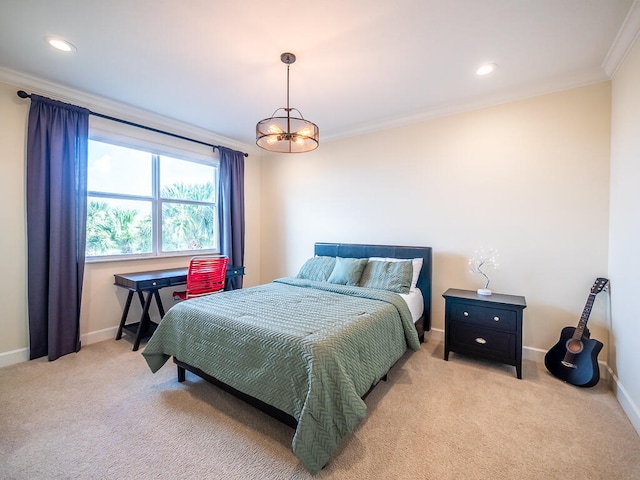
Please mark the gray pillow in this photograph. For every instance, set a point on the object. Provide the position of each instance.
(392, 276)
(347, 271)
(317, 269)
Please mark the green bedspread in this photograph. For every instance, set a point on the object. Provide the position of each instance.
(310, 349)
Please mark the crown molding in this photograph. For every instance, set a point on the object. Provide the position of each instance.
(116, 109)
(626, 37)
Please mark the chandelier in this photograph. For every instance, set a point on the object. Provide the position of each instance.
(287, 133)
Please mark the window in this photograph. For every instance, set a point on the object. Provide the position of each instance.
(144, 203)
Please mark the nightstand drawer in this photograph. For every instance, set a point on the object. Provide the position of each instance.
(485, 316)
(489, 342)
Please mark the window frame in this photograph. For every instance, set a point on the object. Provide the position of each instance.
(157, 145)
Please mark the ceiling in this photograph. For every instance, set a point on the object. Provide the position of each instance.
(362, 65)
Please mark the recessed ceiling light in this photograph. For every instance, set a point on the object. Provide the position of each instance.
(60, 44)
(486, 69)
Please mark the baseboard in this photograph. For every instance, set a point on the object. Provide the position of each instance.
(628, 405)
(99, 336)
(22, 354)
(13, 357)
(436, 335)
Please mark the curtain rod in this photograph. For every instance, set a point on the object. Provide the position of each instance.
(23, 94)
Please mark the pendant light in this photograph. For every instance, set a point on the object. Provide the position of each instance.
(286, 133)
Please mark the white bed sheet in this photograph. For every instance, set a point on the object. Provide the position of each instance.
(415, 302)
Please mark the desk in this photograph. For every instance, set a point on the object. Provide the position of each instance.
(150, 283)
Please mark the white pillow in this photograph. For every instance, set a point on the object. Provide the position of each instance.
(416, 263)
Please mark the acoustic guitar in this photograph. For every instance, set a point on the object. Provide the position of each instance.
(574, 359)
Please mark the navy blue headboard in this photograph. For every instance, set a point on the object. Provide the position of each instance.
(353, 250)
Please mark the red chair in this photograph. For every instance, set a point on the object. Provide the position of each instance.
(206, 275)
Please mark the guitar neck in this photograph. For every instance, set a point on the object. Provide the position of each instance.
(582, 324)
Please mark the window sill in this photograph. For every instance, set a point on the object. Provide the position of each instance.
(165, 256)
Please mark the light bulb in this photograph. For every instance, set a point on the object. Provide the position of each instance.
(59, 44)
(486, 69)
(273, 128)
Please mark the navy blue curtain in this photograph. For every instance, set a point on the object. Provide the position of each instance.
(231, 209)
(57, 146)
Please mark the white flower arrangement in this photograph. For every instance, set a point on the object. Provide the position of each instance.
(482, 260)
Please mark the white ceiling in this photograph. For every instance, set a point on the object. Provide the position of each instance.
(362, 64)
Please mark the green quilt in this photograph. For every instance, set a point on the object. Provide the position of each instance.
(310, 349)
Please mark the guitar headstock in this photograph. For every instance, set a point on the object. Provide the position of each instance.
(599, 285)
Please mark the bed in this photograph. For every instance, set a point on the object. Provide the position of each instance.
(305, 349)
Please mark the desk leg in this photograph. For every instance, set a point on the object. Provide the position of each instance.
(156, 294)
(147, 318)
(142, 302)
(125, 312)
(144, 320)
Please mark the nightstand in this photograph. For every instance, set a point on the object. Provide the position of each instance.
(488, 326)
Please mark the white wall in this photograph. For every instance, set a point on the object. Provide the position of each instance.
(624, 251)
(102, 302)
(13, 239)
(529, 178)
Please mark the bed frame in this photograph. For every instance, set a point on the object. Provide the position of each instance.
(348, 251)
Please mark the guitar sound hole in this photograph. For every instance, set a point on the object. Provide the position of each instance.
(574, 346)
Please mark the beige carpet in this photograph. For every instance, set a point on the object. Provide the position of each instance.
(102, 414)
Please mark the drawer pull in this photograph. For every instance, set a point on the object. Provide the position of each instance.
(466, 314)
(481, 340)
(497, 319)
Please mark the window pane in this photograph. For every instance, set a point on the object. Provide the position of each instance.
(115, 169)
(183, 180)
(116, 227)
(187, 227)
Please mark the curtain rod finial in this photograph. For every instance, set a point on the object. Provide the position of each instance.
(23, 94)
